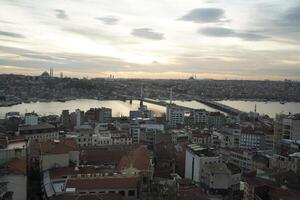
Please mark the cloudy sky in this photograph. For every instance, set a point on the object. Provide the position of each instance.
(220, 39)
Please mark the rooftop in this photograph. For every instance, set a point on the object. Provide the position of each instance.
(36, 127)
(109, 182)
(108, 196)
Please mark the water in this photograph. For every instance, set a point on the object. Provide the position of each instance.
(195, 105)
(121, 108)
(269, 108)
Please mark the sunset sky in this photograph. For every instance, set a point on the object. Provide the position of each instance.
(220, 39)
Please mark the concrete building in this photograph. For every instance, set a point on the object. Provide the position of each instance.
(65, 119)
(179, 135)
(14, 178)
(31, 119)
(196, 158)
(12, 149)
(135, 132)
(203, 138)
(221, 177)
(101, 136)
(242, 158)
(200, 117)
(39, 132)
(286, 127)
(46, 155)
(105, 115)
(175, 116)
(216, 120)
(79, 117)
(252, 139)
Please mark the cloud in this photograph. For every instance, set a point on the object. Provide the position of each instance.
(226, 32)
(205, 15)
(11, 34)
(291, 17)
(61, 14)
(147, 33)
(108, 20)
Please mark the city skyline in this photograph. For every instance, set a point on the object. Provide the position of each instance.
(230, 39)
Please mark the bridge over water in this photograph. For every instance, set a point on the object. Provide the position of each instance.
(212, 104)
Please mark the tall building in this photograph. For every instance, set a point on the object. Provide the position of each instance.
(31, 119)
(79, 117)
(135, 132)
(285, 127)
(105, 115)
(200, 117)
(175, 116)
(65, 118)
(196, 159)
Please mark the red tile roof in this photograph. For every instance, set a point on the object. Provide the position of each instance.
(191, 194)
(61, 147)
(284, 194)
(108, 196)
(138, 158)
(16, 166)
(103, 183)
(108, 154)
(56, 173)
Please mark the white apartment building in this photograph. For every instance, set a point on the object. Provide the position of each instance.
(175, 115)
(200, 116)
(31, 119)
(252, 140)
(196, 158)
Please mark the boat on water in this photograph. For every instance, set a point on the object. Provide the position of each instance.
(282, 102)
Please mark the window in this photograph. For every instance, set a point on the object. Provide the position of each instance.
(131, 193)
(122, 193)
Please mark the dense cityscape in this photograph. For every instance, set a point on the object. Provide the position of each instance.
(185, 154)
(149, 100)
(15, 89)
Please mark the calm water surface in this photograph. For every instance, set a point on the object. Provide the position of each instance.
(121, 108)
(269, 108)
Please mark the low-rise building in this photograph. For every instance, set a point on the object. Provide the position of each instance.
(221, 177)
(40, 132)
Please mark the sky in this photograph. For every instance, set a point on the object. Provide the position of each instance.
(215, 39)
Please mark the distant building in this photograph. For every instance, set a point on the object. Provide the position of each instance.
(79, 117)
(200, 117)
(175, 116)
(31, 119)
(39, 132)
(65, 119)
(252, 139)
(216, 120)
(105, 115)
(135, 132)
